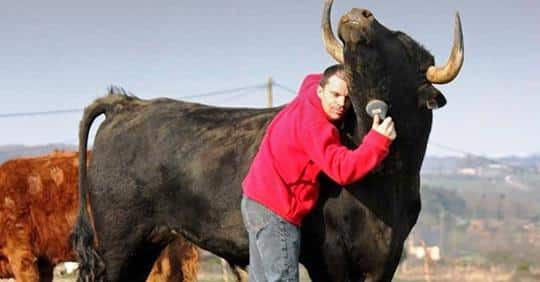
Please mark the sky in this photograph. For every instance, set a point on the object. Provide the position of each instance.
(60, 54)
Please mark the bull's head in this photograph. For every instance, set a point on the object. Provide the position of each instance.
(390, 66)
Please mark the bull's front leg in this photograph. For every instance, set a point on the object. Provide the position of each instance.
(387, 271)
(327, 263)
(316, 269)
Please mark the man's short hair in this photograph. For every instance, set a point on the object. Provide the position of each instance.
(337, 70)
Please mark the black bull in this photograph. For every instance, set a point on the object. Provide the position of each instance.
(164, 168)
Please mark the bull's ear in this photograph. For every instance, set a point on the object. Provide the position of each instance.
(430, 97)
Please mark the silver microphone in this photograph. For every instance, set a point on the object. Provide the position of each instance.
(377, 107)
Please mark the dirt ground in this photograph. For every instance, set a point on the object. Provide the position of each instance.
(212, 270)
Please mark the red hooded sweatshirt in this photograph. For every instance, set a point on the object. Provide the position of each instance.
(299, 143)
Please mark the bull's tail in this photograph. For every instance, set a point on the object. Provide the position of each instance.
(83, 238)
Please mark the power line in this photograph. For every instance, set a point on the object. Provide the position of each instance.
(279, 85)
(450, 149)
(469, 154)
(228, 98)
(221, 92)
(53, 112)
(66, 111)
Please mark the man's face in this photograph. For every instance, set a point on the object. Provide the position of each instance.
(334, 98)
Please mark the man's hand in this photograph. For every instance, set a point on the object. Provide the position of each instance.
(385, 128)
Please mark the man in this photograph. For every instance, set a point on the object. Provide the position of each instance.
(281, 185)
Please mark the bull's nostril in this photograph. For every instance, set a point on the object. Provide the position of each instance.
(367, 14)
(361, 13)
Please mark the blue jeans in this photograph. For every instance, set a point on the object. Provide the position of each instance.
(274, 244)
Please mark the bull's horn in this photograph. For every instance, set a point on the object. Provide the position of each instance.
(448, 72)
(332, 45)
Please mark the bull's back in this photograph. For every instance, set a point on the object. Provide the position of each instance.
(179, 138)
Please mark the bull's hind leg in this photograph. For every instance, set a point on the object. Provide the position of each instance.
(127, 253)
(124, 265)
(129, 262)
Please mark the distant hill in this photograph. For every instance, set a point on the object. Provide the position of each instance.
(532, 160)
(15, 151)
(452, 165)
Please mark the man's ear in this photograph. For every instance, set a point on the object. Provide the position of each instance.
(319, 92)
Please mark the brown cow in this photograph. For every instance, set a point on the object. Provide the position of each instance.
(38, 207)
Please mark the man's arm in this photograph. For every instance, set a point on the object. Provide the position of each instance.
(342, 164)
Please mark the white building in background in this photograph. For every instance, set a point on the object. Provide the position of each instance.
(469, 171)
(420, 251)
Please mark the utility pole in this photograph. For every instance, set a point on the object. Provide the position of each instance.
(441, 229)
(269, 92)
(500, 207)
